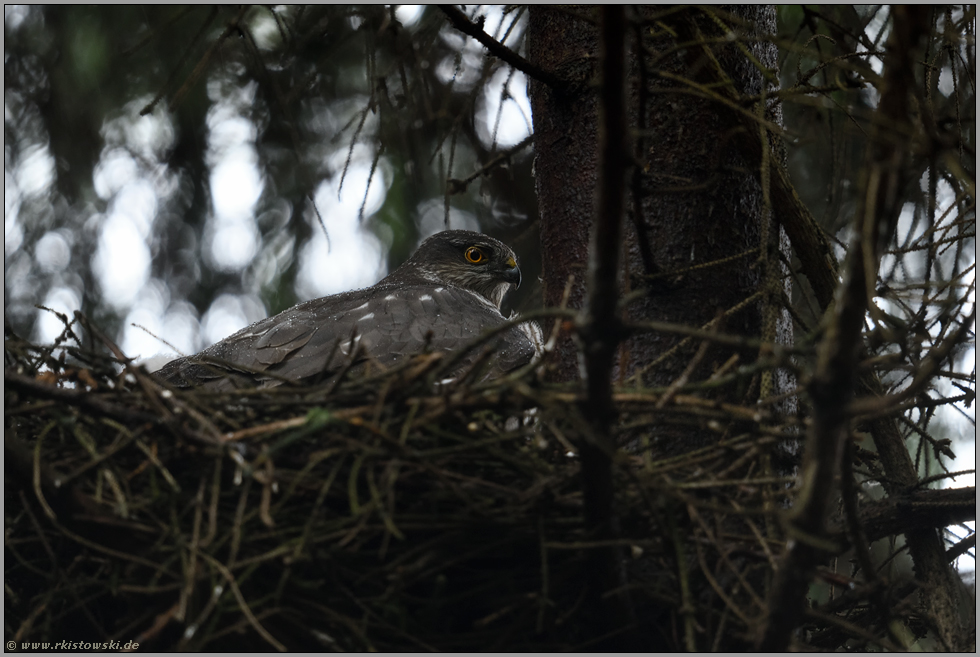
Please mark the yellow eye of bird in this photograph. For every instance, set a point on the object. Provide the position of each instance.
(474, 255)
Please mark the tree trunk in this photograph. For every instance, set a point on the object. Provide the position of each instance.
(695, 198)
(699, 246)
(565, 142)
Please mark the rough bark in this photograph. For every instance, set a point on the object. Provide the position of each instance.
(693, 198)
(699, 198)
(565, 158)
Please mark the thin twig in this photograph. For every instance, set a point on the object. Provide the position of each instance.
(499, 50)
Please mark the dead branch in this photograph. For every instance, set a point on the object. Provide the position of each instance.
(833, 386)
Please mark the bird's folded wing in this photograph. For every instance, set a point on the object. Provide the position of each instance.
(318, 337)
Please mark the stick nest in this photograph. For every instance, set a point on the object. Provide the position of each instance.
(382, 512)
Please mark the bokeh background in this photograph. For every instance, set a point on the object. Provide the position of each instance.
(307, 158)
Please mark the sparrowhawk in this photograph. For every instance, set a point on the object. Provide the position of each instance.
(443, 297)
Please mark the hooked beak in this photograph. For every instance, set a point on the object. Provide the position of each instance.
(512, 273)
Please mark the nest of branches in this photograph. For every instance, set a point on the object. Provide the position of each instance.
(382, 512)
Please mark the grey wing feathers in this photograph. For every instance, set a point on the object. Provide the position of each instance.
(388, 323)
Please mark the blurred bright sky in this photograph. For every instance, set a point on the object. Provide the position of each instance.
(347, 257)
(351, 258)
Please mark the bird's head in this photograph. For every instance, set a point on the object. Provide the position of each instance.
(462, 258)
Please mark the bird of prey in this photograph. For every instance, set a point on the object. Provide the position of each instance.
(443, 297)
